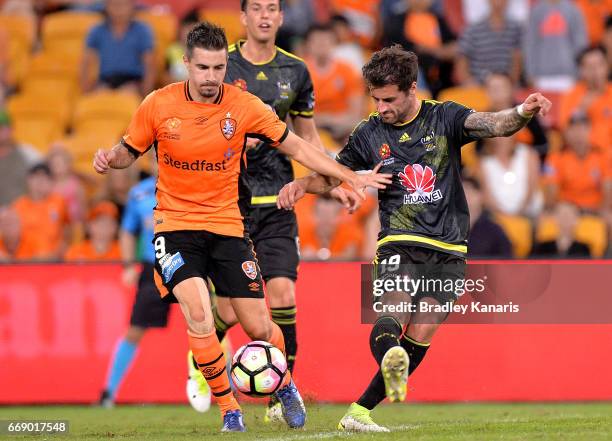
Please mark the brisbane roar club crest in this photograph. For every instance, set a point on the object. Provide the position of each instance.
(228, 126)
(250, 269)
(420, 185)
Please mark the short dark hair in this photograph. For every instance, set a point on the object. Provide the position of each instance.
(318, 27)
(243, 4)
(41, 167)
(584, 52)
(391, 65)
(207, 36)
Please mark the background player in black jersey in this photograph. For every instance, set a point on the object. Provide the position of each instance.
(423, 213)
(281, 80)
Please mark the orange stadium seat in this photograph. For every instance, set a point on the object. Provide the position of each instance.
(66, 31)
(518, 229)
(104, 112)
(20, 32)
(590, 230)
(226, 18)
(474, 97)
(52, 74)
(37, 122)
(83, 147)
(165, 28)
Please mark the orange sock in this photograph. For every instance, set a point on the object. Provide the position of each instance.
(278, 340)
(209, 355)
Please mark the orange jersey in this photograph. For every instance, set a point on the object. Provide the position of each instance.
(200, 152)
(42, 225)
(86, 252)
(599, 112)
(580, 180)
(336, 86)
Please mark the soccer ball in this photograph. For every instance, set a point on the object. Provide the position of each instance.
(258, 369)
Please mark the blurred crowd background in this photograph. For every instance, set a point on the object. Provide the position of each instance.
(72, 73)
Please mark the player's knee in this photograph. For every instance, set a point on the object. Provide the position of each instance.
(261, 331)
(280, 292)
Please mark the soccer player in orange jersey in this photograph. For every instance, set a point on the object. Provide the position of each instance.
(199, 129)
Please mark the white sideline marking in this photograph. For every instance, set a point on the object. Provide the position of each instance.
(326, 435)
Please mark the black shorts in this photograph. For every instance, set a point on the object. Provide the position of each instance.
(148, 310)
(445, 271)
(227, 260)
(275, 235)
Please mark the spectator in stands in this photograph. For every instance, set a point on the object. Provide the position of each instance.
(117, 186)
(298, 16)
(4, 58)
(66, 182)
(102, 243)
(347, 48)
(491, 45)
(176, 70)
(427, 34)
(486, 239)
(339, 88)
(554, 36)
(607, 44)
(565, 245)
(43, 217)
(478, 10)
(595, 13)
(509, 174)
(18, 7)
(327, 237)
(15, 161)
(500, 92)
(593, 96)
(578, 175)
(362, 15)
(12, 248)
(123, 48)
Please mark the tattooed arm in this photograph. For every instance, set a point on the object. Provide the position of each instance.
(506, 122)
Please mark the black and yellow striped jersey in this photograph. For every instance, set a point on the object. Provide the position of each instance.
(425, 205)
(284, 84)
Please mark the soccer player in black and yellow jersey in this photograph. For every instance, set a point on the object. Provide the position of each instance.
(423, 213)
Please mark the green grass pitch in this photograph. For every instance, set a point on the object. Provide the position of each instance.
(486, 422)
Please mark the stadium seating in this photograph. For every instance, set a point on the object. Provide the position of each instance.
(20, 31)
(165, 29)
(83, 146)
(52, 74)
(105, 112)
(474, 97)
(38, 120)
(66, 31)
(228, 19)
(590, 230)
(519, 231)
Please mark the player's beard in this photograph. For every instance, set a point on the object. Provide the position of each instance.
(208, 90)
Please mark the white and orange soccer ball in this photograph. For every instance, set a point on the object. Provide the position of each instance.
(258, 369)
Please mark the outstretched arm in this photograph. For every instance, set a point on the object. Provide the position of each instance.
(318, 184)
(506, 122)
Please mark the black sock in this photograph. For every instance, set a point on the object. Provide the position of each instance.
(285, 318)
(416, 352)
(374, 393)
(385, 334)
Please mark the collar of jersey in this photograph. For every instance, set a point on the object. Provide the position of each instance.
(239, 44)
(189, 98)
(411, 119)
